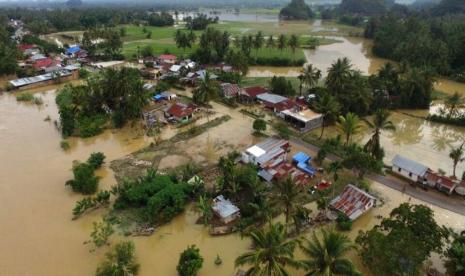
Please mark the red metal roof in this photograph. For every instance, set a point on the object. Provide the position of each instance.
(167, 57)
(253, 91)
(353, 202)
(43, 63)
(446, 182)
(230, 89)
(284, 105)
(24, 47)
(180, 110)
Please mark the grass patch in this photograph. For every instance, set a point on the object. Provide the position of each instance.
(264, 81)
(65, 145)
(28, 97)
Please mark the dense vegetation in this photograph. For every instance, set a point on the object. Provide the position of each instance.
(85, 181)
(200, 22)
(296, 10)
(161, 19)
(436, 44)
(8, 52)
(109, 45)
(112, 94)
(121, 261)
(365, 7)
(157, 198)
(190, 262)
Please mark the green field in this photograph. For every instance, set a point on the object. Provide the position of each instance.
(162, 39)
(264, 81)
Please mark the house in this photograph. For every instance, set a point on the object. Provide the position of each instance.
(72, 50)
(302, 119)
(460, 189)
(270, 149)
(37, 57)
(447, 185)
(175, 68)
(42, 64)
(225, 210)
(431, 179)
(181, 112)
(302, 162)
(167, 58)
(249, 94)
(277, 170)
(275, 102)
(408, 168)
(230, 90)
(164, 96)
(45, 79)
(353, 202)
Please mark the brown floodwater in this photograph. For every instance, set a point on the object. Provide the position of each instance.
(38, 235)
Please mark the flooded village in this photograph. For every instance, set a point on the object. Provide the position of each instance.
(233, 140)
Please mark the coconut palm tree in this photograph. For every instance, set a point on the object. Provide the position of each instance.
(349, 125)
(271, 252)
(206, 90)
(326, 256)
(293, 43)
(285, 196)
(328, 107)
(456, 154)
(282, 42)
(379, 122)
(270, 42)
(453, 103)
(338, 73)
(258, 41)
(334, 168)
(311, 76)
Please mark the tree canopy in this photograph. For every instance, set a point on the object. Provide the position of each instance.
(296, 10)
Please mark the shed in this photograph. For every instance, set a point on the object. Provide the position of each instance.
(353, 202)
(225, 210)
(408, 168)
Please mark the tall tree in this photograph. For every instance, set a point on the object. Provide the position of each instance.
(311, 76)
(282, 42)
(453, 104)
(293, 43)
(204, 208)
(349, 125)
(328, 107)
(286, 195)
(258, 41)
(270, 42)
(206, 90)
(455, 254)
(326, 256)
(456, 154)
(401, 243)
(379, 122)
(338, 74)
(271, 252)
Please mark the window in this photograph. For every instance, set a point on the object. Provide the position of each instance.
(399, 169)
(410, 175)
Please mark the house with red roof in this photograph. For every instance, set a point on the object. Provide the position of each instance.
(42, 64)
(276, 103)
(249, 94)
(230, 90)
(181, 112)
(446, 184)
(167, 58)
(353, 202)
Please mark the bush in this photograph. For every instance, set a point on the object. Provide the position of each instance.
(283, 130)
(259, 125)
(96, 159)
(25, 97)
(64, 145)
(90, 126)
(84, 181)
(190, 261)
(344, 223)
(83, 73)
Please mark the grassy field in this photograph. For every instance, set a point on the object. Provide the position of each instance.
(256, 81)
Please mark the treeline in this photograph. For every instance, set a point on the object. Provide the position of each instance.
(200, 21)
(85, 109)
(8, 52)
(161, 19)
(104, 42)
(296, 10)
(436, 44)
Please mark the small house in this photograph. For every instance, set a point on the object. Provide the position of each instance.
(278, 170)
(447, 185)
(230, 90)
(409, 169)
(353, 202)
(270, 149)
(225, 210)
(302, 119)
(167, 58)
(274, 102)
(249, 94)
(181, 112)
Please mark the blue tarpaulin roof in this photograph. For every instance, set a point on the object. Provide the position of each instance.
(158, 97)
(301, 157)
(73, 50)
(306, 168)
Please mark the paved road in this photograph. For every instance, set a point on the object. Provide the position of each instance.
(452, 203)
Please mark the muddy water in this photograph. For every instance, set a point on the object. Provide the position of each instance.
(426, 142)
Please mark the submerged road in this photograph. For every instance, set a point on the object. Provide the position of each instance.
(454, 204)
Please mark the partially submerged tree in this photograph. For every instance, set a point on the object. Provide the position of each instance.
(379, 122)
(120, 261)
(456, 154)
(190, 262)
(259, 125)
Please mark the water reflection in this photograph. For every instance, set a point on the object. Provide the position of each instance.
(409, 131)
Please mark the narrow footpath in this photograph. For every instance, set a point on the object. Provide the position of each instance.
(452, 203)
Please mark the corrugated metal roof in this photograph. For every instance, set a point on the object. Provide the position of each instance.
(409, 165)
(39, 78)
(271, 98)
(224, 207)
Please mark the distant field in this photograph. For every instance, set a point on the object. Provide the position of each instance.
(264, 81)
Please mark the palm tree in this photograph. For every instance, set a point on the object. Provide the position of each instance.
(334, 168)
(326, 256)
(379, 122)
(270, 42)
(285, 195)
(328, 107)
(293, 43)
(258, 41)
(338, 73)
(204, 208)
(206, 90)
(262, 210)
(311, 75)
(453, 103)
(456, 154)
(271, 252)
(282, 42)
(349, 126)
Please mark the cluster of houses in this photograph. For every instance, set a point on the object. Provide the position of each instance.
(421, 174)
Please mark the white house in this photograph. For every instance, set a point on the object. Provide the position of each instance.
(268, 150)
(225, 210)
(409, 169)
